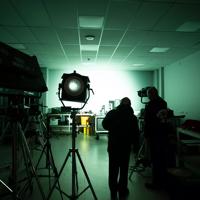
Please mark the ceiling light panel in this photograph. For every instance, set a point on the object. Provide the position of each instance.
(159, 49)
(190, 26)
(89, 47)
(89, 53)
(17, 46)
(91, 21)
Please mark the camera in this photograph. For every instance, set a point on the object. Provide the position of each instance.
(143, 92)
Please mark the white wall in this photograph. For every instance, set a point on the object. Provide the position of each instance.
(43, 99)
(182, 86)
(107, 85)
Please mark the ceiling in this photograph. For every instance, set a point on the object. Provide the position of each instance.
(102, 34)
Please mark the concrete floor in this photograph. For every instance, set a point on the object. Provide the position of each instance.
(93, 153)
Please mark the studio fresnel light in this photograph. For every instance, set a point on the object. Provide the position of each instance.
(74, 87)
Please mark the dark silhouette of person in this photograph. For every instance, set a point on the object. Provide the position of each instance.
(156, 136)
(123, 136)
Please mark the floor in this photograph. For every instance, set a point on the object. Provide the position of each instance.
(93, 154)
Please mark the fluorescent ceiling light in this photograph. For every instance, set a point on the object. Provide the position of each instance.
(137, 64)
(91, 21)
(159, 49)
(190, 26)
(17, 46)
(88, 63)
(91, 47)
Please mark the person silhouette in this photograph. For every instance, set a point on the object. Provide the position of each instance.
(154, 132)
(123, 134)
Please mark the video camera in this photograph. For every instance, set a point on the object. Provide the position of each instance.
(143, 92)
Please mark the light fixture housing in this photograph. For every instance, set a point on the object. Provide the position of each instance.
(90, 37)
(74, 87)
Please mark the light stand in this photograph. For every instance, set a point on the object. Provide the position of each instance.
(77, 93)
(9, 190)
(19, 139)
(139, 163)
(50, 163)
(74, 152)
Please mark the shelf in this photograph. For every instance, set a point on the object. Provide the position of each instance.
(188, 144)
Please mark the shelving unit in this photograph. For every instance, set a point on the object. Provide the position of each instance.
(60, 123)
(188, 149)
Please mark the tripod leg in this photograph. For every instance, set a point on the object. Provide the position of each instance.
(59, 174)
(4, 131)
(76, 177)
(26, 162)
(10, 190)
(38, 162)
(54, 167)
(86, 175)
(14, 158)
(31, 162)
(134, 168)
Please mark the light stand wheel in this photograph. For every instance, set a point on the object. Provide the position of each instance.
(73, 152)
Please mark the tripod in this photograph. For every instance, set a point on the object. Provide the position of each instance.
(18, 138)
(74, 152)
(10, 191)
(50, 164)
(142, 158)
(138, 160)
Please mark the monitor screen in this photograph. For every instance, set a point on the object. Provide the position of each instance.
(98, 124)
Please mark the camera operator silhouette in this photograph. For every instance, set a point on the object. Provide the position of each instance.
(123, 132)
(156, 136)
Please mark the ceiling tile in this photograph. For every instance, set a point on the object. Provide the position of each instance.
(32, 13)
(23, 34)
(72, 50)
(92, 7)
(6, 37)
(122, 51)
(132, 38)
(148, 15)
(68, 36)
(8, 15)
(178, 15)
(50, 30)
(45, 35)
(106, 50)
(111, 37)
(120, 14)
(63, 13)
